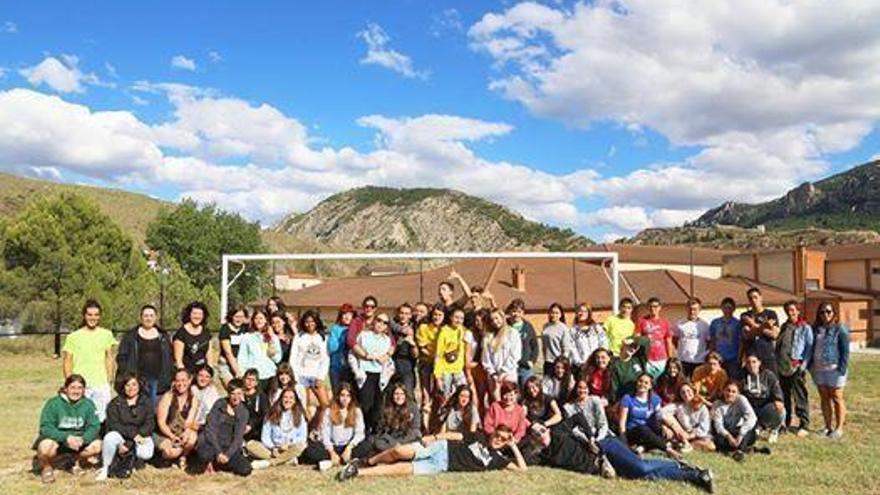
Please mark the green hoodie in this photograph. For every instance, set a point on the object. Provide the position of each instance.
(624, 373)
(61, 418)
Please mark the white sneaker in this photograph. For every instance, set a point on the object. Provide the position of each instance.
(774, 437)
(835, 435)
(686, 448)
(260, 464)
(824, 432)
(101, 474)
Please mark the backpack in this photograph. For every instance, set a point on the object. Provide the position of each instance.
(123, 464)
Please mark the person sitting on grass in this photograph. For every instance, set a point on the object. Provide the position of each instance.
(342, 430)
(401, 420)
(559, 384)
(461, 413)
(204, 390)
(540, 408)
(284, 434)
(761, 388)
(631, 363)
(558, 449)
(597, 373)
(176, 426)
(441, 453)
(693, 423)
(507, 412)
(734, 420)
(709, 378)
(641, 422)
(69, 428)
(220, 443)
(130, 423)
(670, 381)
(257, 404)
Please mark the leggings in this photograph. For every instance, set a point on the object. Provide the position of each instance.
(748, 440)
(370, 398)
(647, 435)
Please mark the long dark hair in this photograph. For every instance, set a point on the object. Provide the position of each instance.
(819, 322)
(565, 388)
(319, 324)
(336, 407)
(275, 382)
(467, 414)
(123, 379)
(666, 385)
(397, 418)
(230, 316)
(533, 403)
(277, 409)
(561, 310)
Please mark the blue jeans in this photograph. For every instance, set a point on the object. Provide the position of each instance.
(524, 374)
(629, 465)
(152, 386)
(112, 441)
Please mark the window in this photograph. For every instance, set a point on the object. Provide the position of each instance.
(875, 270)
(811, 284)
(876, 311)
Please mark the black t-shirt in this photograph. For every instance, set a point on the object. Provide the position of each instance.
(234, 338)
(566, 452)
(149, 357)
(257, 405)
(540, 413)
(762, 346)
(195, 348)
(474, 454)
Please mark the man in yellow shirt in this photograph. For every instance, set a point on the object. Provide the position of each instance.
(89, 352)
(620, 327)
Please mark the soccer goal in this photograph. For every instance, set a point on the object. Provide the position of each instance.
(604, 258)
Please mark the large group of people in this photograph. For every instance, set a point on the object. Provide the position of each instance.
(457, 385)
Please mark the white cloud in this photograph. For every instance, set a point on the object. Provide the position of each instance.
(201, 148)
(111, 70)
(62, 74)
(9, 27)
(182, 62)
(214, 56)
(763, 89)
(447, 21)
(379, 53)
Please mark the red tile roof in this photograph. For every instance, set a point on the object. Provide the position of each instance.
(547, 281)
(678, 255)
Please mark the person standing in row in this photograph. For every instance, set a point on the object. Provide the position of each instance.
(230, 337)
(406, 351)
(310, 361)
(337, 349)
(829, 367)
(555, 338)
(260, 349)
(793, 350)
(760, 331)
(192, 342)
(146, 351)
(691, 337)
(88, 352)
(620, 327)
(516, 312)
(725, 338)
(656, 329)
(587, 335)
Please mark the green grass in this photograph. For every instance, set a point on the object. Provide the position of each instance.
(29, 375)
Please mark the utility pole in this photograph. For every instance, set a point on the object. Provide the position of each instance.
(59, 272)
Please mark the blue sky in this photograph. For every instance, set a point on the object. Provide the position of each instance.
(605, 117)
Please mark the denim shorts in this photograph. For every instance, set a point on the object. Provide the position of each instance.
(433, 459)
(308, 381)
(829, 378)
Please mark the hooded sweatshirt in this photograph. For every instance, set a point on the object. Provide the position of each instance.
(131, 421)
(62, 418)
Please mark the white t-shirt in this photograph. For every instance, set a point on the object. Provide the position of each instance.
(693, 340)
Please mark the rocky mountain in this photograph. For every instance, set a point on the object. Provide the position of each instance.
(730, 237)
(847, 201)
(423, 219)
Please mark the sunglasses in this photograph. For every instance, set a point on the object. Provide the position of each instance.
(369, 305)
(382, 321)
(827, 311)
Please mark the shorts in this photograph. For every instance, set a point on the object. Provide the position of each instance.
(433, 459)
(829, 378)
(308, 381)
(450, 381)
(101, 397)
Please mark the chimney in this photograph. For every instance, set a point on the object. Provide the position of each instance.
(519, 278)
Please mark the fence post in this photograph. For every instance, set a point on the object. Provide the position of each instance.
(58, 311)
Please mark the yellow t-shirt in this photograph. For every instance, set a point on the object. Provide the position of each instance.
(618, 330)
(89, 349)
(426, 338)
(449, 339)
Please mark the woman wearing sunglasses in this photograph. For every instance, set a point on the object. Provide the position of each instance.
(829, 368)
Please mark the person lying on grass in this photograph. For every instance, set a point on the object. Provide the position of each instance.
(445, 452)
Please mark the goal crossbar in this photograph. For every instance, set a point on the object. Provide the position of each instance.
(240, 258)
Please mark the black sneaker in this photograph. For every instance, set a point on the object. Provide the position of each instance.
(349, 471)
(738, 456)
(762, 450)
(705, 480)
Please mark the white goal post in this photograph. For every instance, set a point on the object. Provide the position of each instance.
(577, 255)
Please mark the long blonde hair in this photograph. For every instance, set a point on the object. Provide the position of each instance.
(500, 334)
